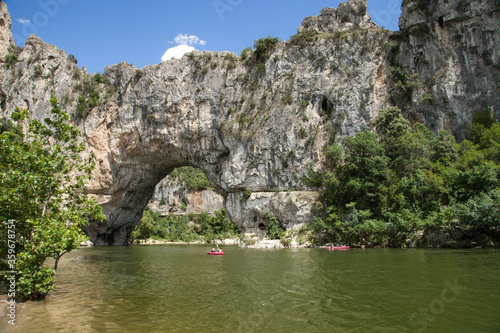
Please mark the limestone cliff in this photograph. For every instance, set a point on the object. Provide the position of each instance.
(254, 125)
(6, 38)
(452, 48)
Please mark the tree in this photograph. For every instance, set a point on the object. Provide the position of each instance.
(390, 124)
(444, 147)
(42, 178)
(365, 170)
(481, 121)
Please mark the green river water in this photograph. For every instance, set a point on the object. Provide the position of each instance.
(175, 288)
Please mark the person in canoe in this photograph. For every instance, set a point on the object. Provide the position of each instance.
(219, 250)
(213, 249)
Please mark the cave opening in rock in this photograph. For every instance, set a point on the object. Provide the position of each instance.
(327, 107)
(262, 227)
(441, 21)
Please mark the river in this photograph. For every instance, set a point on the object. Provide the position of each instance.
(176, 288)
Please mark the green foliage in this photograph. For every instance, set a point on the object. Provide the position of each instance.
(420, 30)
(7, 125)
(264, 47)
(247, 194)
(90, 97)
(13, 52)
(444, 147)
(390, 124)
(138, 74)
(404, 84)
(193, 179)
(274, 228)
(245, 53)
(481, 121)
(379, 189)
(42, 177)
(365, 171)
(150, 118)
(38, 71)
(185, 228)
(481, 211)
(422, 5)
(304, 38)
(313, 178)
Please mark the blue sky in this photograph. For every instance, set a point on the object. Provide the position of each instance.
(102, 33)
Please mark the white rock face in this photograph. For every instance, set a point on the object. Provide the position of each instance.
(255, 127)
(350, 15)
(293, 209)
(6, 38)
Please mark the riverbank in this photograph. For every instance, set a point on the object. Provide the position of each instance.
(421, 240)
(152, 241)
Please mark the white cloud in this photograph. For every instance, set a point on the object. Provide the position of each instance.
(184, 39)
(23, 21)
(177, 52)
(186, 43)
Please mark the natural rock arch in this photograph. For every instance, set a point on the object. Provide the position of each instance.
(144, 153)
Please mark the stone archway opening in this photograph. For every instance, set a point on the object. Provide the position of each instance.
(134, 185)
(185, 190)
(184, 207)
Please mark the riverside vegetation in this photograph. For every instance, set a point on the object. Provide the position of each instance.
(42, 177)
(186, 228)
(403, 182)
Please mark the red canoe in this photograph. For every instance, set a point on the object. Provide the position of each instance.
(215, 253)
(339, 248)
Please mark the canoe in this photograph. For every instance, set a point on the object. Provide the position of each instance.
(339, 248)
(215, 253)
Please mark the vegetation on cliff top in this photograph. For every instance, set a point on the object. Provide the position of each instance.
(192, 178)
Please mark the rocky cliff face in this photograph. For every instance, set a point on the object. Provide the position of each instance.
(451, 48)
(6, 38)
(253, 126)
